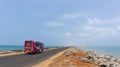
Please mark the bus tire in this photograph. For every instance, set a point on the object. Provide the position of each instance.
(40, 51)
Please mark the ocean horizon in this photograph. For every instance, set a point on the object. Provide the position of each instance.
(16, 47)
(106, 50)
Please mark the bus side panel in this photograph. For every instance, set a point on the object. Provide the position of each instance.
(34, 49)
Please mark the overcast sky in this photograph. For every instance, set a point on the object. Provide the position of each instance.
(60, 22)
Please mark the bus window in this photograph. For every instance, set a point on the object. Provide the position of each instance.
(27, 43)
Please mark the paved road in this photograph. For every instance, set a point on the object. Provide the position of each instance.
(23, 60)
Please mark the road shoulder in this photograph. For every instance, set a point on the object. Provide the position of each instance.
(49, 61)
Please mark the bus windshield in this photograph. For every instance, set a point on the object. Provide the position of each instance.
(27, 43)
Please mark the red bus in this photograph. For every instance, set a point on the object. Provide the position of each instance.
(31, 46)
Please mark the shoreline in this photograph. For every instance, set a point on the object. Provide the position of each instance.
(15, 52)
(10, 52)
(74, 56)
(102, 59)
(98, 49)
(79, 57)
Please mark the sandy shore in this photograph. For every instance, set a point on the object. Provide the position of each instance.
(75, 57)
(14, 52)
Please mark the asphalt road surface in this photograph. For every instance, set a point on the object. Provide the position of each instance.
(24, 60)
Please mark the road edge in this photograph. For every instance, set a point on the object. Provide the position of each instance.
(49, 60)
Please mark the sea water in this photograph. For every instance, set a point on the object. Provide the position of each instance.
(10, 47)
(16, 47)
(106, 50)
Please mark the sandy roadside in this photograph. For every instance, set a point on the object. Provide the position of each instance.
(72, 57)
(76, 57)
(49, 61)
(8, 53)
(66, 58)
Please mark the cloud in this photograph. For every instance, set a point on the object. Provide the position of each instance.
(90, 31)
(76, 15)
(68, 34)
(84, 35)
(72, 16)
(101, 32)
(95, 28)
(97, 21)
(94, 21)
(102, 29)
(54, 24)
(118, 27)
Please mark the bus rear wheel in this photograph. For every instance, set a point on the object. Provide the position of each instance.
(39, 51)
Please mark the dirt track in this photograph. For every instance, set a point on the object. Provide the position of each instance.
(23, 60)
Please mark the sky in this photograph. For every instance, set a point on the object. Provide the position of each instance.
(60, 22)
